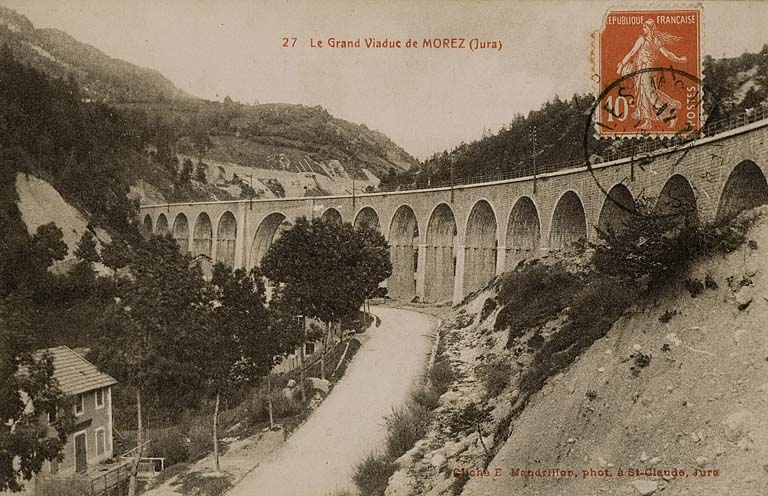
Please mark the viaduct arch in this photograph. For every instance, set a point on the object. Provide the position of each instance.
(480, 245)
(266, 234)
(404, 239)
(367, 216)
(447, 242)
(161, 227)
(523, 232)
(440, 252)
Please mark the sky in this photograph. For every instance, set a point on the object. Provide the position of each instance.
(425, 99)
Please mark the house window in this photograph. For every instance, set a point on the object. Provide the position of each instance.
(299, 321)
(99, 393)
(101, 441)
(52, 415)
(309, 348)
(79, 405)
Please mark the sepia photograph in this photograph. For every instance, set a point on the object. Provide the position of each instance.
(383, 248)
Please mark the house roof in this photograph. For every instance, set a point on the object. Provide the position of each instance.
(75, 374)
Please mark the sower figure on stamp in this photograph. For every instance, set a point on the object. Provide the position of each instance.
(651, 104)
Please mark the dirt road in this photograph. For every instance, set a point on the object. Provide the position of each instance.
(318, 459)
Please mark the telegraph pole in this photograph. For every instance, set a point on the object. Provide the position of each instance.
(250, 193)
(452, 162)
(533, 152)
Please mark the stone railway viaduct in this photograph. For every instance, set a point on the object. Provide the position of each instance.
(447, 242)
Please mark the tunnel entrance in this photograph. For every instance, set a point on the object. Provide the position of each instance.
(202, 237)
(403, 248)
(523, 232)
(745, 188)
(480, 247)
(225, 239)
(440, 256)
(181, 232)
(569, 222)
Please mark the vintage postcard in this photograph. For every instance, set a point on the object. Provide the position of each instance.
(383, 248)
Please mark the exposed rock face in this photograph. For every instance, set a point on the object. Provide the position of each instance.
(696, 404)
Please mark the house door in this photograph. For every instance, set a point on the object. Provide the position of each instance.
(81, 463)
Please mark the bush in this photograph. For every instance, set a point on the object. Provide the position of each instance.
(200, 435)
(62, 487)
(405, 426)
(488, 307)
(172, 446)
(205, 484)
(496, 376)
(441, 376)
(469, 418)
(694, 287)
(651, 249)
(258, 406)
(593, 312)
(426, 396)
(667, 316)
(533, 295)
(372, 474)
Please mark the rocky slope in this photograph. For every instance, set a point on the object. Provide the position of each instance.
(681, 384)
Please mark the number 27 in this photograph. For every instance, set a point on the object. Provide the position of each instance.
(292, 42)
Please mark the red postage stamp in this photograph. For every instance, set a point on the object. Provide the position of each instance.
(649, 64)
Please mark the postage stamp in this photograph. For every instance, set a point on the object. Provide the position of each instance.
(648, 65)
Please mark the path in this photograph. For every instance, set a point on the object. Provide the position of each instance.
(319, 457)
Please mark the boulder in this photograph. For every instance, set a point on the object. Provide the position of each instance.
(645, 487)
(320, 384)
(737, 424)
(442, 487)
(744, 297)
(400, 484)
(438, 460)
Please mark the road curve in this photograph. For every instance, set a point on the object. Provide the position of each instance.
(319, 457)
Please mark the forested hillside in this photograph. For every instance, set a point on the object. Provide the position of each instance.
(101, 77)
(554, 134)
(290, 139)
(282, 137)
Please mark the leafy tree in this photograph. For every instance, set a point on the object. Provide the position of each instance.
(25, 261)
(26, 379)
(185, 176)
(327, 270)
(246, 191)
(244, 346)
(117, 254)
(201, 172)
(146, 335)
(26, 442)
(200, 138)
(86, 248)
